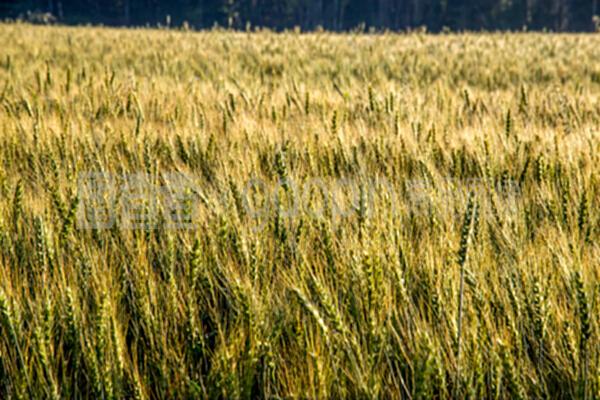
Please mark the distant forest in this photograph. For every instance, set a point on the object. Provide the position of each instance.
(435, 15)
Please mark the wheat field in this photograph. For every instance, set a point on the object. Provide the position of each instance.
(353, 216)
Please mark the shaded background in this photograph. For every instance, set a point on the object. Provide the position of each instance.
(555, 15)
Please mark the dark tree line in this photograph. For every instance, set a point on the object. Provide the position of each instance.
(556, 15)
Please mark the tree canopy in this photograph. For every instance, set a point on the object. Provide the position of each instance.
(435, 15)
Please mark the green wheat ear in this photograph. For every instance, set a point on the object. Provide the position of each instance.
(8, 325)
(334, 122)
(372, 104)
(523, 102)
(69, 221)
(307, 103)
(508, 124)
(18, 202)
(585, 335)
(281, 167)
(583, 217)
(515, 386)
(41, 245)
(72, 336)
(7, 318)
(465, 240)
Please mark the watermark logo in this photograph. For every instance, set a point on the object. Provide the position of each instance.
(136, 201)
(172, 200)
